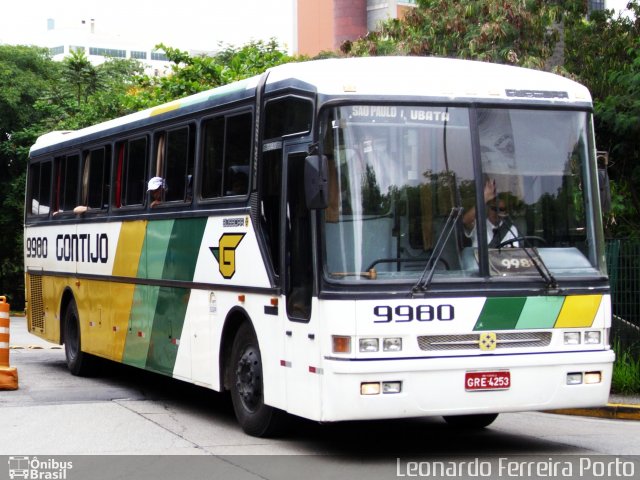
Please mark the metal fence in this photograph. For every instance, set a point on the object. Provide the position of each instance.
(623, 262)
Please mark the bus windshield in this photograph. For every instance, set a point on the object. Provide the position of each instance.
(399, 174)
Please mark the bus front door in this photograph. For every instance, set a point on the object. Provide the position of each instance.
(300, 327)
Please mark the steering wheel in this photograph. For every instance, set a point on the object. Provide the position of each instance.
(523, 239)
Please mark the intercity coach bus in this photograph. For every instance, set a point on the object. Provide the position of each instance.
(342, 239)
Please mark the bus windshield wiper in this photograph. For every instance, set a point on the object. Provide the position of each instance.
(423, 283)
(538, 263)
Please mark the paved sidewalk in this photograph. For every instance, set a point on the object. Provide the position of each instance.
(620, 407)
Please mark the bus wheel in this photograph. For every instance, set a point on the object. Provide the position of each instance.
(78, 362)
(247, 393)
(480, 420)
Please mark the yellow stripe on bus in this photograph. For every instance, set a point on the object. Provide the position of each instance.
(578, 311)
(165, 108)
(129, 248)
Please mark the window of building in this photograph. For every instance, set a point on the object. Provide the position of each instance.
(161, 56)
(108, 52)
(138, 55)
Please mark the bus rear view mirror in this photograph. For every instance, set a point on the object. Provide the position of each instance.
(316, 186)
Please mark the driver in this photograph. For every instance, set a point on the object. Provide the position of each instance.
(499, 225)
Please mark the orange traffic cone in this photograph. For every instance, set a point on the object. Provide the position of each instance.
(8, 375)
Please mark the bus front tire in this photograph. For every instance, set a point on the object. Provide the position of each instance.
(476, 421)
(79, 363)
(246, 385)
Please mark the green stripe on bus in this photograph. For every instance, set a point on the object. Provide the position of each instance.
(540, 312)
(141, 318)
(183, 249)
(500, 313)
(170, 252)
(154, 251)
(167, 329)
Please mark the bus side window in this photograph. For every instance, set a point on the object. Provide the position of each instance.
(237, 154)
(66, 183)
(299, 265)
(270, 203)
(226, 155)
(213, 156)
(39, 188)
(96, 177)
(174, 163)
(131, 172)
(287, 116)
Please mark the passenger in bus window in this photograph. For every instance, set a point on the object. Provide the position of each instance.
(156, 187)
(500, 227)
(239, 183)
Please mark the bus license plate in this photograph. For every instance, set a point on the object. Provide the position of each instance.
(477, 381)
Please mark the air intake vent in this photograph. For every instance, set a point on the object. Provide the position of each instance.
(36, 304)
(472, 341)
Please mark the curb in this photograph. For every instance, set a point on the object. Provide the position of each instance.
(35, 347)
(618, 411)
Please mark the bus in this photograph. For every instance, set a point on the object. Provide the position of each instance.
(323, 245)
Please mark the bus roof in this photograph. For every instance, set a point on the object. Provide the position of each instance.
(422, 78)
(443, 78)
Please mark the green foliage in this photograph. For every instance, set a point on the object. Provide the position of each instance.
(603, 52)
(502, 31)
(193, 74)
(99, 92)
(25, 76)
(626, 371)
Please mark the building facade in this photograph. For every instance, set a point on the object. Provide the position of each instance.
(323, 25)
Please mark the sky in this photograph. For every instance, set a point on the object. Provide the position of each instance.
(184, 24)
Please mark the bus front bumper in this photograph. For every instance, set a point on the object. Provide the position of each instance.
(464, 385)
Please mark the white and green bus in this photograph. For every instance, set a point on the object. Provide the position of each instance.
(344, 239)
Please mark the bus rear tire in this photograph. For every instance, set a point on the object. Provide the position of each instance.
(246, 385)
(476, 421)
(79, 363)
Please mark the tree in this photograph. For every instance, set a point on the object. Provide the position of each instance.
(81, 76)
(26, 74)
(503, 31)
(193, 74)
(603, 52)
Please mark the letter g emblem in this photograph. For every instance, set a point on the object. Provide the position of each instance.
(225, 253)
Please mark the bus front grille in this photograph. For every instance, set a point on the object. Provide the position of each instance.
(472, 341)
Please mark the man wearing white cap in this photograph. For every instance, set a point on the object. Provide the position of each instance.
(156, 186)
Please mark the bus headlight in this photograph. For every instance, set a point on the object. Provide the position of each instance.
(572, 338)
(391, 387)
(391, 344)
(574, 378)
(592, 337)
(369, 345)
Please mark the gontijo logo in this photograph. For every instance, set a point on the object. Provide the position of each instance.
(225, 253)
(36, 469)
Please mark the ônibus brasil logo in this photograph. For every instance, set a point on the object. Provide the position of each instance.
(38, 469)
